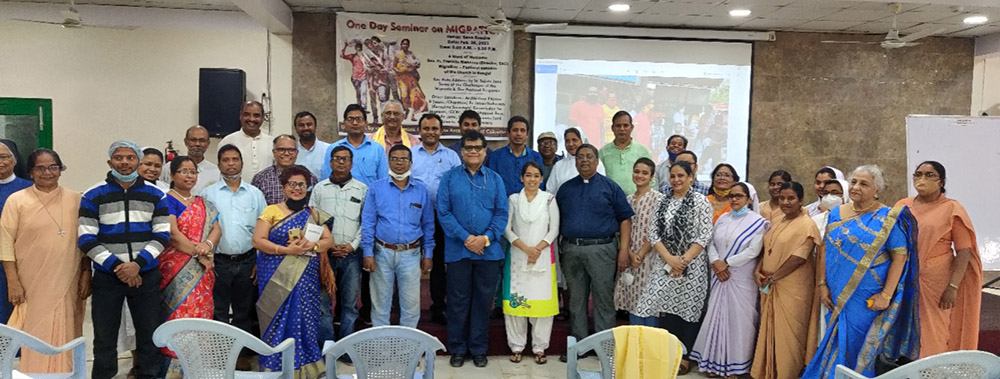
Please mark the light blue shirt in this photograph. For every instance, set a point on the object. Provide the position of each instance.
(429, 168)
(238, 212)
(313, 158)
(397, 216)
(370, 161)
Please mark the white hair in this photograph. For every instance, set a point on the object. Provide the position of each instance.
(874, 171)
(391, 102)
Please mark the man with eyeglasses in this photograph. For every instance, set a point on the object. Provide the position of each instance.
(342, 197)
(620, 156)
(547, 146)
(311, 149)
(663, 176)
(430, 161)
(250, 140)
(370, 160)
(397, 238)
(468, 121)
(594, 237)
(269, 180)
(472, 209)
(391, 132)
(196, 140)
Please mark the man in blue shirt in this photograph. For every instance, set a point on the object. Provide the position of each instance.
(508, 160)
(594, 238)
(430, 161)
(472, 209)
(396, 224)
(239, 205)
(468, 121)
(311, 149)
(370, 163)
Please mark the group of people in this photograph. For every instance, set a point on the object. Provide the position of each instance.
(773, 288)
(383, 70)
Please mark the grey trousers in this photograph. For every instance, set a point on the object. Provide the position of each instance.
(590, 271)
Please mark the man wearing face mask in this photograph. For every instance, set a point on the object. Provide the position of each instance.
(397, 228)
(134, 215)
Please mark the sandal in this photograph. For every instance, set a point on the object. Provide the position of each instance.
(540, 358)
(515, 358)
(684, 369)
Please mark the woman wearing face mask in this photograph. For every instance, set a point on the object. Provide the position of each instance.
(529, 271)
(644, 202)
(726, 341)
(834, 190)
(723, 177)
(785, 275)
(286, 259)
(867, 277)
(951, 273)
(771, 208)
(151, 166)
(678, 284)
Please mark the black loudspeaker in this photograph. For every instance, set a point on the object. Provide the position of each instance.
(221, 93)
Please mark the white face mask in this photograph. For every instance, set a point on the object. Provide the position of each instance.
(399, 176)
(831, 201)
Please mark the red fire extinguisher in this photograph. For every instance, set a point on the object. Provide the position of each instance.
(170, 152)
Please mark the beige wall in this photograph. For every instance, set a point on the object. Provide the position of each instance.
(142, 84)
(813, 104)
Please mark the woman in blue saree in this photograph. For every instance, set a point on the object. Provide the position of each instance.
(867, 277)
(290, 273)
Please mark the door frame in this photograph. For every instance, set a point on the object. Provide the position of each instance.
(42, 108)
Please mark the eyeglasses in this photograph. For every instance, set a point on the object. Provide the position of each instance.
(340, 159)
(928, 176)
(197, 140)
(736, 196)
(398, 159)
(724, 175)
(355, 119)
(586, 156)
(471, 148)
(293, 185)
(285, 150)
(548, 143)
(41, 169)
(187, 172)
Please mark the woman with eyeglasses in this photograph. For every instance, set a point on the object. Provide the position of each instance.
(725, 343)
(10, 182)
(291, 274)
(47, 279)
(723, 177)
(951, 273)
(771, 208)
(784, 275)
(186, 264)
(678, 285)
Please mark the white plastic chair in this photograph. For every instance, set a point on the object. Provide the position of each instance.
(385, 352)
(11, 340)
(966, 364)
(208, 349)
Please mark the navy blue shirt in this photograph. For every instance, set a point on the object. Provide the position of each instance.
(471, 204)
(591, 209)
(508, 165)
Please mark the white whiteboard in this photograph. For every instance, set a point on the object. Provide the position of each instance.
(969, 148)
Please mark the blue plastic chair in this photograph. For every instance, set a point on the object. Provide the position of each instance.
(966, 364)
(208, 349)
(385, 352)
(11, 340)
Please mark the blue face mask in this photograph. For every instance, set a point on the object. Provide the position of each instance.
(125, 178)
(741, 211)
(672, 156)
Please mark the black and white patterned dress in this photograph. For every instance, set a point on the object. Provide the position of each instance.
(679, 223)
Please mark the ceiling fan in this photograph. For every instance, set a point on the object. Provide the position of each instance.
(892, 40)
(71, 20)
(499, 23)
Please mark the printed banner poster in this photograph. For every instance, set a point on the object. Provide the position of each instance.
(443, 65)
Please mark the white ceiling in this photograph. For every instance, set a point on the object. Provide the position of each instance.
(868, 16)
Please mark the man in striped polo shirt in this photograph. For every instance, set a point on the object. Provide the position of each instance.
(124, 225)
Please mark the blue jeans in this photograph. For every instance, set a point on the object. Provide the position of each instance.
(653, 321)
(402, 267)
(348, 273)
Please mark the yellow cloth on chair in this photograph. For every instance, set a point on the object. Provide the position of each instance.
(646, 352)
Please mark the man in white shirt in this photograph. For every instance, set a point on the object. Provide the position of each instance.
(312, 151)
(196, 140)
(254, 145)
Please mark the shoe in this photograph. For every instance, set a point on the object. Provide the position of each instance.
(479, 360)
(563, 358)
(457, 360)
(439, 318)
(346, 359)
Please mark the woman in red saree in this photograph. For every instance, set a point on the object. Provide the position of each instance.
(186, 265)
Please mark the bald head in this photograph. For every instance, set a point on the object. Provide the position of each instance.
(196, 140)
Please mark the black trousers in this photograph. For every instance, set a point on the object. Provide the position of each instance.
(439, 279)
(234, 288)
(145, 304)
(471, 287)
(686, 332)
